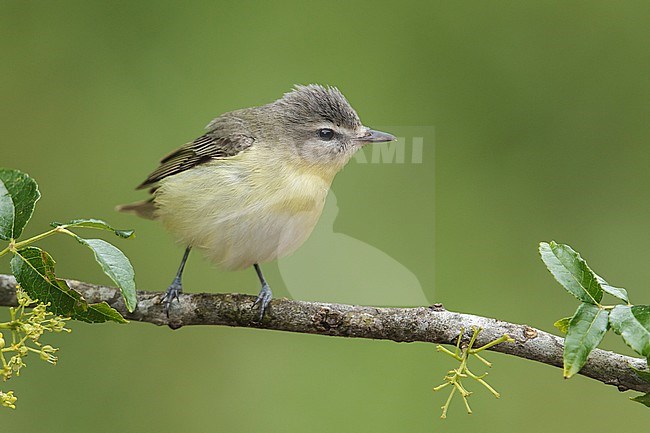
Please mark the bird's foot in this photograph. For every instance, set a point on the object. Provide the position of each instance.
(172, 293)
(264, 298)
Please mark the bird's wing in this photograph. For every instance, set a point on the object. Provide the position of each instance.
(203, 149)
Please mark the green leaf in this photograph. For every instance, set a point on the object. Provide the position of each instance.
(96, 224)
(34, 271)
(586, 330)
(102, 312)
(117, 266)
(633, 324)
(643, 399)
(18, 196)
(571, 271)
(617, 292)
(643, 374)
(563, 325)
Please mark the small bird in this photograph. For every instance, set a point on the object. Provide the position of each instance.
(251, 189)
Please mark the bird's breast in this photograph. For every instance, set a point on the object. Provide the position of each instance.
(240, 212)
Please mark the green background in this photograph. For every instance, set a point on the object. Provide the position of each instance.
(540, 112)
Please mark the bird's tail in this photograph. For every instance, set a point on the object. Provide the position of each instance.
(144, 209)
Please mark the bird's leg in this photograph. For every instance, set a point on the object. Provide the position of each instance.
(265, 294)
(176, 286)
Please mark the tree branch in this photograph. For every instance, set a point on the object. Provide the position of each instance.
(431, 324)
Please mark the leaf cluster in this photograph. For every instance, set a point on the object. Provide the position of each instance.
(588, 325)
(51, 299)
(34, 267)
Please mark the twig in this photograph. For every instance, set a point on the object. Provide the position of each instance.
(431, 324)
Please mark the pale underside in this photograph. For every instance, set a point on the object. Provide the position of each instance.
(240, 215)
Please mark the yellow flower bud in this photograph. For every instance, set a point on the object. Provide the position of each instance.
(8, 399)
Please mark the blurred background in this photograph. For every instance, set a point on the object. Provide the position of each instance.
(539, 113)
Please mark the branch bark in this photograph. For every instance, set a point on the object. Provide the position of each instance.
(431, 324)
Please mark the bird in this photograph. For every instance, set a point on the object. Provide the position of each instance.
(251, 189)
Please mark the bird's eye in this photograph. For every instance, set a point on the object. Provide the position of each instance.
(325, 134)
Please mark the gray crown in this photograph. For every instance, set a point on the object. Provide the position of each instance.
(303, 103)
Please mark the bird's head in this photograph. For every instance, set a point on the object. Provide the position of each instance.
(320, 125)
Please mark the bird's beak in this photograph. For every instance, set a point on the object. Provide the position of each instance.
(372, 136)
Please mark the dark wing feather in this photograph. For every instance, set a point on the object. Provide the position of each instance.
(199, 151)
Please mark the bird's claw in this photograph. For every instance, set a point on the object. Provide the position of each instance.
(263, 299)
(172, 293)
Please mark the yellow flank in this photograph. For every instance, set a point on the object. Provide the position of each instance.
(294, 205)
(240, 214)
